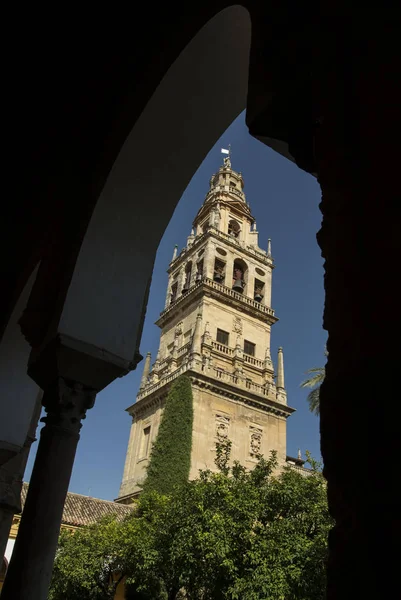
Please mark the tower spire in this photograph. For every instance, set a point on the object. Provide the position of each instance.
(145, 373)
(281, 394)
(175, 252)
(280, 369)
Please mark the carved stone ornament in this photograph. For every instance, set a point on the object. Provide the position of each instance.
(66, 403)
(237, 325)
(222, 425)
(255, 441)
(178, 329)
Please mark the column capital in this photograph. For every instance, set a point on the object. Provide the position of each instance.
(66, 403)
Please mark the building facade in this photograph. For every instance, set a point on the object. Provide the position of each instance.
(216, 327)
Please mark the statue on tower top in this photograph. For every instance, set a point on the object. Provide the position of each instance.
(227, 159)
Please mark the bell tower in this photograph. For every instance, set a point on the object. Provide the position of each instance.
(216, 327)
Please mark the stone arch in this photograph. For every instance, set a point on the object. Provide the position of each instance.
(234, 228)
(240, 275)
(187, 276)
(145, 184)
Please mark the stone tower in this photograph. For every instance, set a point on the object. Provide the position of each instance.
(216, 328)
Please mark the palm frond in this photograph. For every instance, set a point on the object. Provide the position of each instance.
(314, 400)
(316, 379)
(317, 370)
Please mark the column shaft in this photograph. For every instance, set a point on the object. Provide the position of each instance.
(30, 568)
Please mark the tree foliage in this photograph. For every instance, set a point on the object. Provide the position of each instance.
(170, 459)
(89, 562)
(231, 534)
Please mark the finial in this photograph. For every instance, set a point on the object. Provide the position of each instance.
(175, 252)
(190, 238)
(254, 226)
(192, 231)
(280, 369)
(299, 454)
(146, 370)
(157, 361)
(269, 247)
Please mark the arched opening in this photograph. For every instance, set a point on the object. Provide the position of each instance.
(187, 277)
(259, 290)
(199, 271)
(234, 229)
(240, 274)
(186, 120)
(219, 271)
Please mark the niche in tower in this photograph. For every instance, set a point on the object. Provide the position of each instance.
(234, 229)
(173, 295)
(259, 290)
(219, 272)
(199, 271)
(239, 275)
(187, 278)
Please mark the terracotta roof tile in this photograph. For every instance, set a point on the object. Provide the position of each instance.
(84, 510)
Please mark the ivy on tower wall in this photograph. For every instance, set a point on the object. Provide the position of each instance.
(170, 459)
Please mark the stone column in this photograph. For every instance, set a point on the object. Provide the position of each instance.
(280, 369)
(31, 563)
(229, 269)
(280, 385)
(208, 259)
(11, 475)
(358, 156)
(196, 346)
(267, 298)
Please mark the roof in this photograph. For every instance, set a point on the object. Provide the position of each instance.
(84, 510)
(297, 461)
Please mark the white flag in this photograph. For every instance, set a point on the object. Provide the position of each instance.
(224, 151)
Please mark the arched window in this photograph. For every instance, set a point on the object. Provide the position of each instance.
(219, 272)
(199, 271)
(259, 290)
(234, 228)
(187, 277)
(173, 296)
(240, 271)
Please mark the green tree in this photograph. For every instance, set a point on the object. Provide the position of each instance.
(315, 380)
(170, 459)
(250, 535)
(233, 534)
(90, 563)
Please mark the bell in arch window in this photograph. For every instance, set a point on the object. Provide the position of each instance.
(234, 229)
(239, 275)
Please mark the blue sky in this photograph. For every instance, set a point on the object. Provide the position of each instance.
(284, 201)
